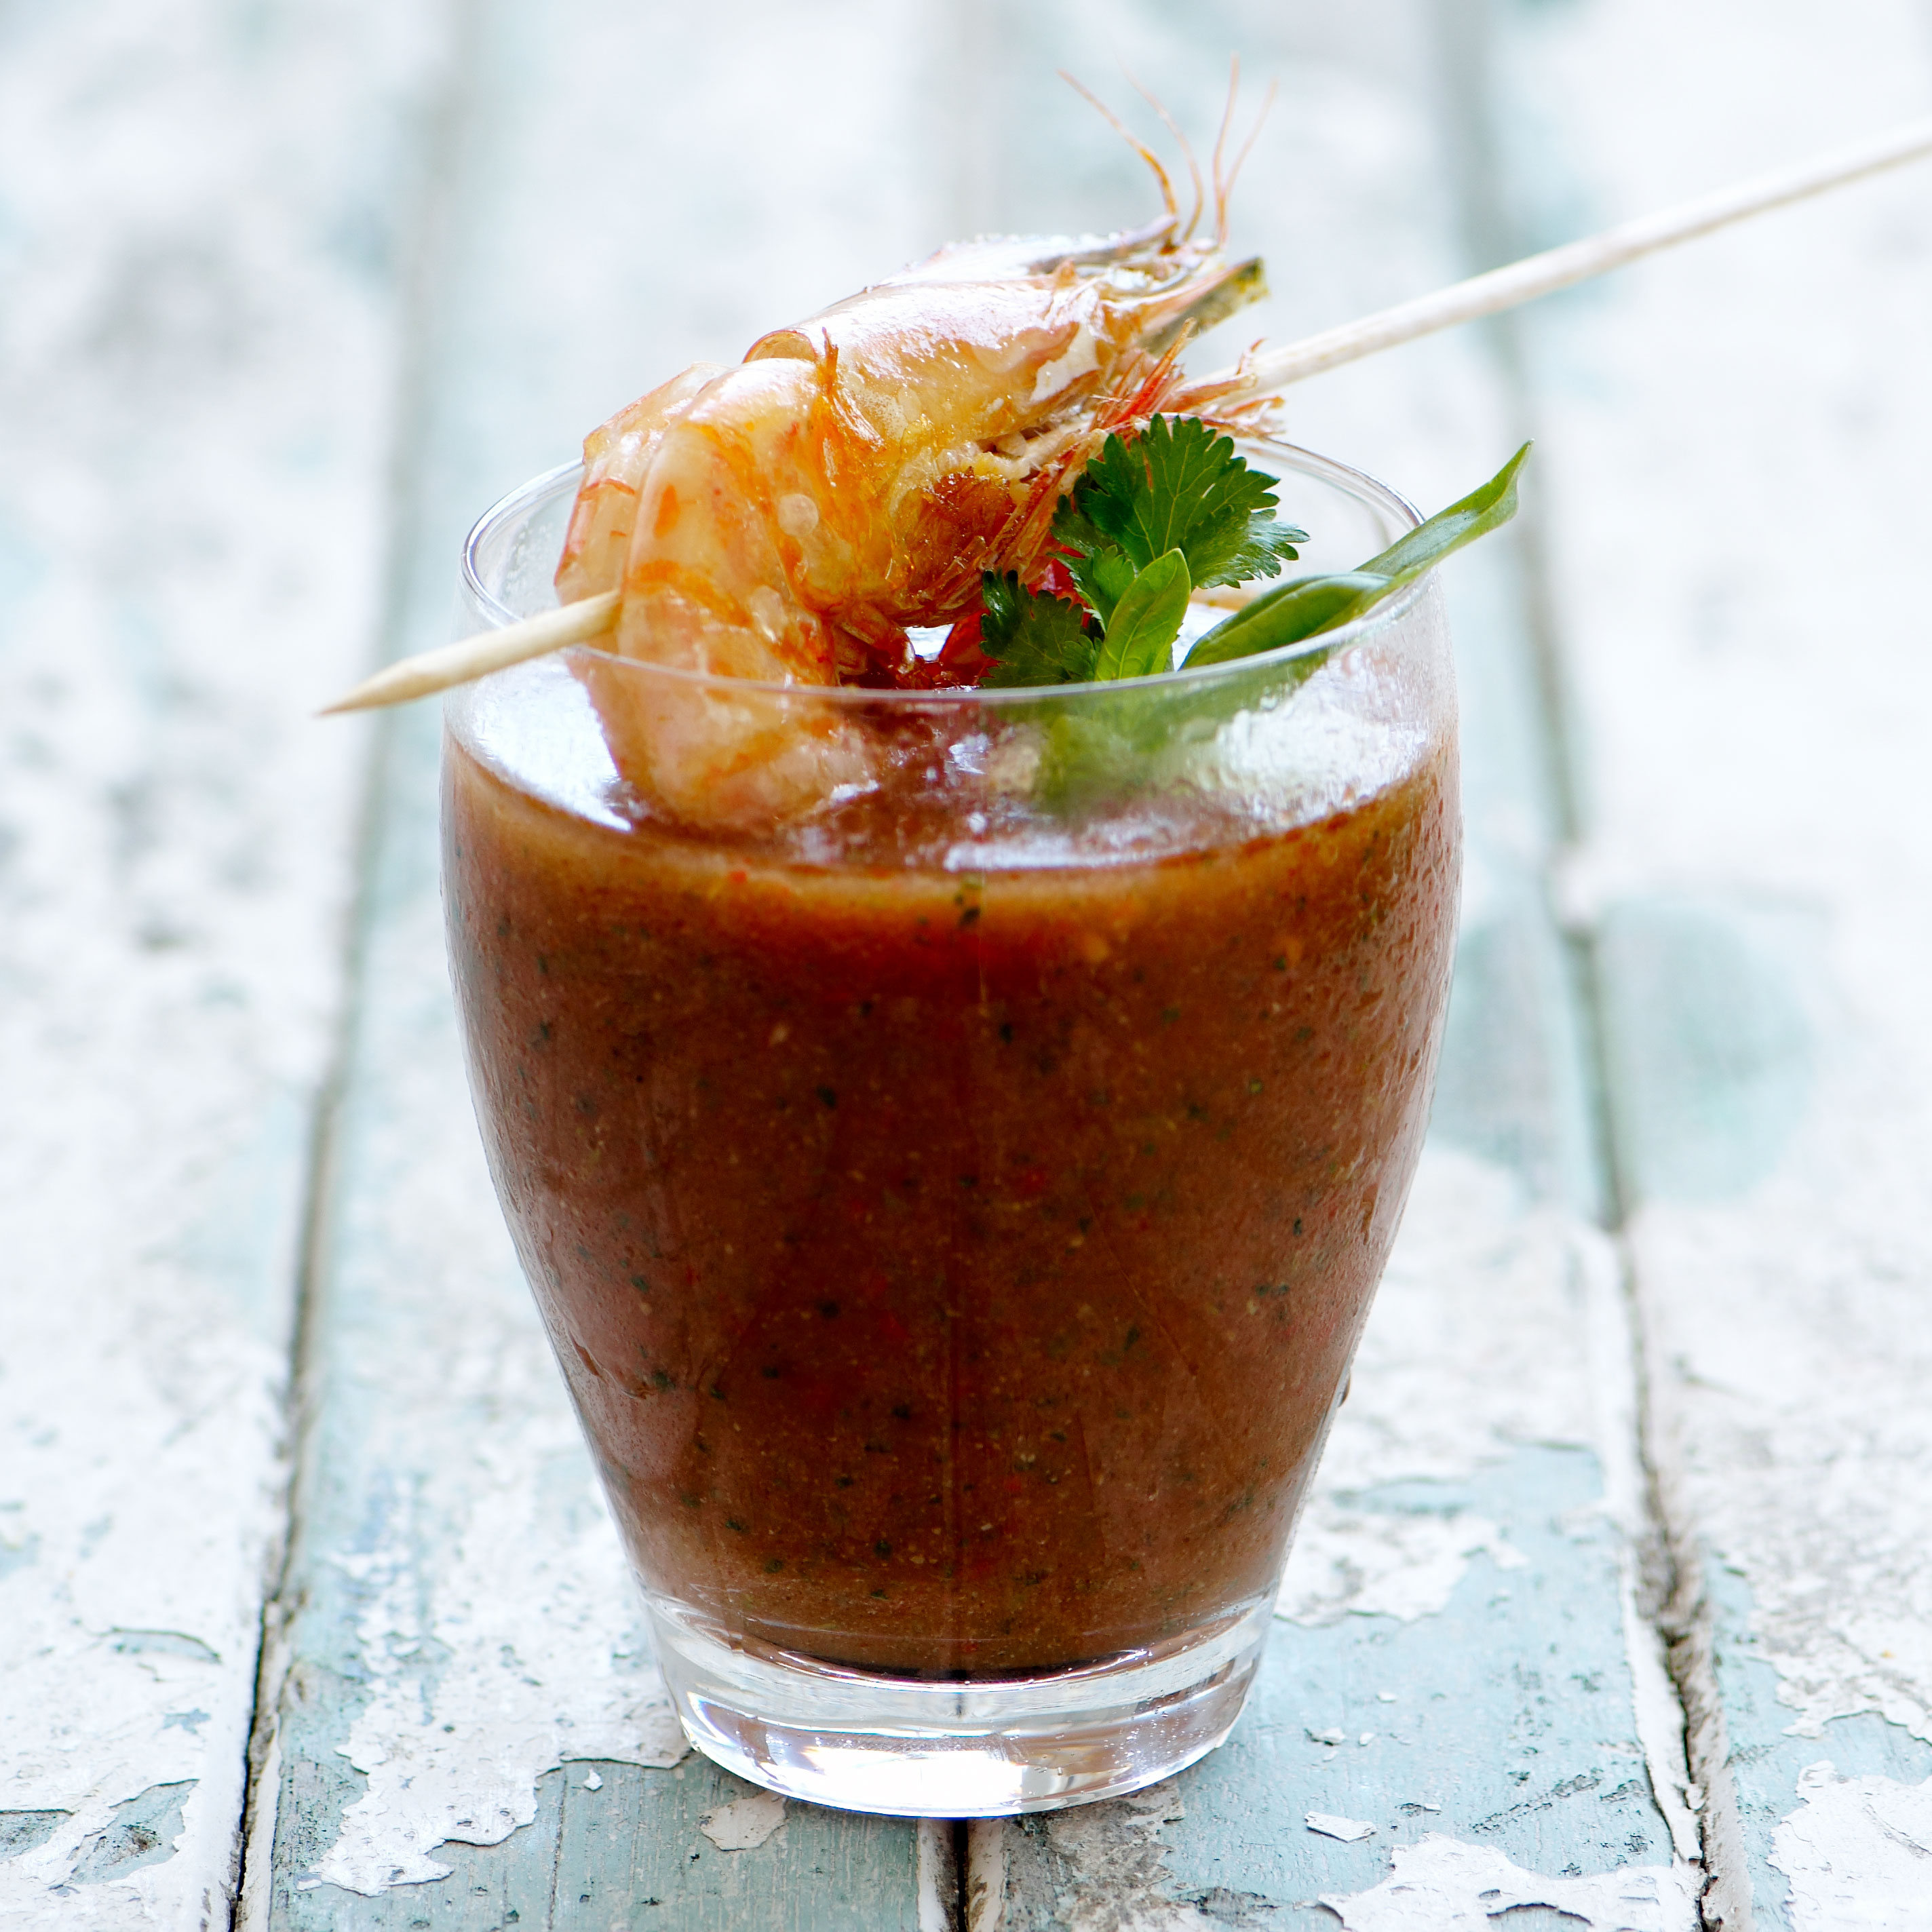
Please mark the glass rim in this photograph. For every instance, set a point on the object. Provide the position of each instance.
(1309, 463)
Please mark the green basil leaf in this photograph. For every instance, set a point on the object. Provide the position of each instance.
(1310, 605)
(1146, 620)
(1286, 615)
(1484, 509)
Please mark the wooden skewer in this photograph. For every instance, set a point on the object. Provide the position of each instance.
(1575, 262)
(456, 664)
(1465, 301)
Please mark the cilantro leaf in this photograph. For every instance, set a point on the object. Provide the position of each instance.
(1100, 569)
(1037, 640)
(1265, 546)
(1101, 575)
(1178, 486)
(1146, 620)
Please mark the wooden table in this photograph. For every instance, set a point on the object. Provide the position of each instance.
(1618, 1592)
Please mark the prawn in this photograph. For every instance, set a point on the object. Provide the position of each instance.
(788, 520)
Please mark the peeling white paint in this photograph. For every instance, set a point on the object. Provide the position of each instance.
(1473, 1347)
(524, 1609)
(746, 1823)
(1442, 1885)
(1376, 1563)
(1858, 1852)
(195, 378)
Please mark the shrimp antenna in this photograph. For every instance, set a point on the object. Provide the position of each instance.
(1222, 184)
(1254, 134)
(1186, 150)
(1139, 146)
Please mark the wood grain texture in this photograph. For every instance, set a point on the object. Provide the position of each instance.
(1753, 875)
(196, 370)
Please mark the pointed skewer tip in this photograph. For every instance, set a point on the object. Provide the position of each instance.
(429, 672)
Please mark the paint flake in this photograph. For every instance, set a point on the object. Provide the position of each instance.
(746, 1823)
(1350, 1830)
(1447, 1886)
(1858, 1852)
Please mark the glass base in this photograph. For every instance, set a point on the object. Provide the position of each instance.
(914, 1747)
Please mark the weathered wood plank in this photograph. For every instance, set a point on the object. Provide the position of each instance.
(1462, 1667)
(1755, 872)
(464, 1646)
(196, 370)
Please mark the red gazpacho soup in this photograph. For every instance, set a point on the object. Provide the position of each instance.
(955, 1271)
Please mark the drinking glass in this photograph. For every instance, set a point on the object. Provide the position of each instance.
(953, 1138)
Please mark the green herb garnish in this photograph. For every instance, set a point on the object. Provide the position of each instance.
(1309, 605)
(1037, 639)
(1147, 523)
(1177, 486)
(1176, 510)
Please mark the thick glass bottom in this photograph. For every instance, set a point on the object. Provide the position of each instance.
(911, 1747)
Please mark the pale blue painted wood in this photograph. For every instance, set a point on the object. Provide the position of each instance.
(1761, 1000)
(1512, 1715)
(197, 308)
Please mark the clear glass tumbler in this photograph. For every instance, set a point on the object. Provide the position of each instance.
(953, 1138)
